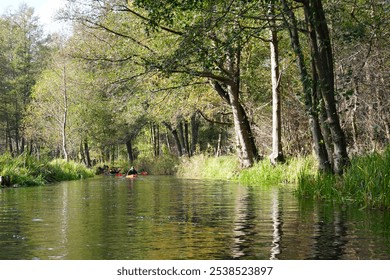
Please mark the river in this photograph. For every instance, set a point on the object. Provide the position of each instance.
(165, 218)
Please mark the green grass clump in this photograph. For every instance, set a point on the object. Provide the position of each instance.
(264, 173)
(25, 170)
(61, 170)
(366, 182)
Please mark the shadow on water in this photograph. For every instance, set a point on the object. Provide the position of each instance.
(168, 218)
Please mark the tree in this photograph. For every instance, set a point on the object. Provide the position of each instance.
(51, 99)
(323, 60)
(23, 48)
(277, 151)
(202, 53)
(310, 93)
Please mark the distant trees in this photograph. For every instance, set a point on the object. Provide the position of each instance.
(22, 52)
(150, 77)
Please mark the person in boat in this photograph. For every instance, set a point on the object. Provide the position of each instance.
(132, 171)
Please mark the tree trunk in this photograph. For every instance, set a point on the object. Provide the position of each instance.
(175, 137)
(277, 152)
(182, 138)
(310, 97)
(187, 138)
(194, 133)
(65, 116)
(323, 59)
(245, 142)
(87, 154)
(155, 132)
(129, 149)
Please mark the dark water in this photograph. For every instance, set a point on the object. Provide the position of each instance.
(168, 218)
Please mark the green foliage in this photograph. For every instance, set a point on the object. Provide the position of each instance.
(365, 183)
(25, 170)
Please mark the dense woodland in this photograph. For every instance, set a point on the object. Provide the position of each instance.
(260, 79)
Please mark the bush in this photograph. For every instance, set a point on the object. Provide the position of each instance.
(165, 164)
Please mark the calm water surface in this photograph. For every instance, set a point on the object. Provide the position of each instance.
(168, 218)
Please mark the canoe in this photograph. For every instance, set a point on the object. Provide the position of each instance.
(131, 176)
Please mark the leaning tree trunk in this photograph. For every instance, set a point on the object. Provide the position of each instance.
(175, 137)
(245, 142)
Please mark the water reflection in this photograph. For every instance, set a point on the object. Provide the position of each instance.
(277, 222)
(329, 235)
(168, 218)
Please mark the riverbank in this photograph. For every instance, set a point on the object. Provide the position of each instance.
(25, 170)
(366, 183)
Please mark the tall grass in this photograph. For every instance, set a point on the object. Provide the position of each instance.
(25, 170)
(264, 173)
(204, 167)
(365, 183)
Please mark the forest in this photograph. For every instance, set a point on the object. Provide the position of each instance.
(162, 82)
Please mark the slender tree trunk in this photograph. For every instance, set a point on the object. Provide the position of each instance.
(87, 154)
(277, 151)
(187, 139)
(167, 141)
(65, 115)
(182, 138)
(194, 133)
(82, 154)
(323, 58)
(309, 90)
(175, 137)
(155, 133)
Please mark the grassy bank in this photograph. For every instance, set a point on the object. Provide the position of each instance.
(25, 170)
(366, 183)
(261, 174)
(204, 167)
